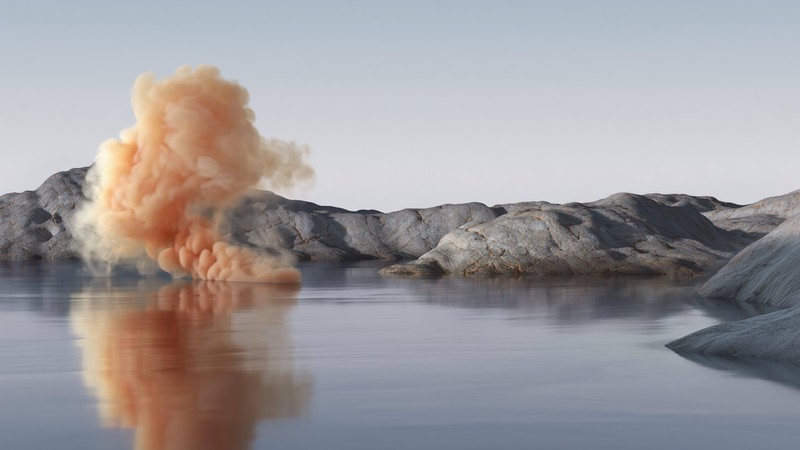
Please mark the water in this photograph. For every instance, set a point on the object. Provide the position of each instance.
(356, 361)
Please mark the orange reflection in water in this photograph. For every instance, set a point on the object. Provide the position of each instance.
(191, 366)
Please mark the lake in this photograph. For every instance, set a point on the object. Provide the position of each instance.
(353, 360)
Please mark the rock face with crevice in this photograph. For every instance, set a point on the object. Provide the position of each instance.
(624, 234)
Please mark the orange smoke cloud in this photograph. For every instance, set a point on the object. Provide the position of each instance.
(161, 189)
(175, 366)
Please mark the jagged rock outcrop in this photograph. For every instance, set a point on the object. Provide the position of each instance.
(36, 224)
(624, 234)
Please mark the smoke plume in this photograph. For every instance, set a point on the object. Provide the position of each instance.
(162, 188)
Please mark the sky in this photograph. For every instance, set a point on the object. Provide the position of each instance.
(418, 103)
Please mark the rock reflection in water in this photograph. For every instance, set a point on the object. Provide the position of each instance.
(183, 368)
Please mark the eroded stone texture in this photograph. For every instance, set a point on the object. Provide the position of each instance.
(624, 234)
(37, 224)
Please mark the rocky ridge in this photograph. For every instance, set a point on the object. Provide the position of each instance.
(37, 225)
(624, 234)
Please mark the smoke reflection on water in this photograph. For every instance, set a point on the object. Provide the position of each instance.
(191, 365)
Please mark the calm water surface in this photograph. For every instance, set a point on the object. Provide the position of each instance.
(356, 361)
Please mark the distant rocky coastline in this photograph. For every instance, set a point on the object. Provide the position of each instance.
(752, 251)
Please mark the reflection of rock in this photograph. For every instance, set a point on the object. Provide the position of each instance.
(624, 234)
(175, 365)
(785, 373)
(40, 285)
(573, 300)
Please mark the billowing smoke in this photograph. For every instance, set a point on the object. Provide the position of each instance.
(162, 188)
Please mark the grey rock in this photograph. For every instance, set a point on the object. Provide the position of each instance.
(758, 218)
(702, 204)
(624, 234)
(36, 224)
(316, 232)
(766, 272)
(774, 336)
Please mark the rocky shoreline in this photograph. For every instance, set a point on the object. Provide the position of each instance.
(753, 251)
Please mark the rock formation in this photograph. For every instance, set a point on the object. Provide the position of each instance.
(766, 272)
(36, 224)
(624, 234)
(314, 232)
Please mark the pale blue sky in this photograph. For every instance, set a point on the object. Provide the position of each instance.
(416, 103)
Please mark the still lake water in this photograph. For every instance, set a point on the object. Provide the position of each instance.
(355, 361)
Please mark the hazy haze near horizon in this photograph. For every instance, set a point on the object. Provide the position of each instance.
(408, 104)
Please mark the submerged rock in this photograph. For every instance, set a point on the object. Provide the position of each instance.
(624, 234)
